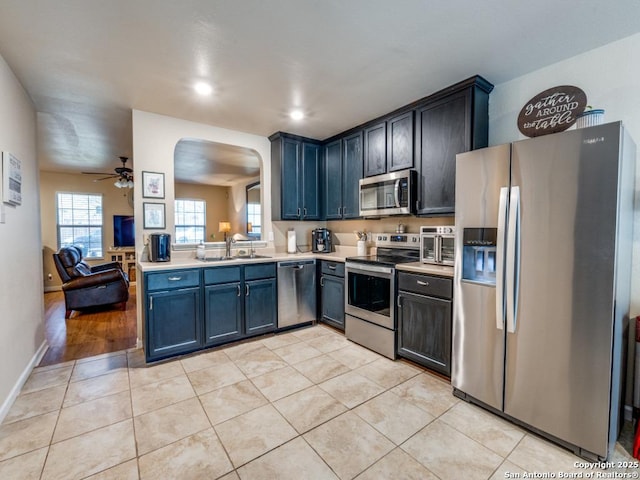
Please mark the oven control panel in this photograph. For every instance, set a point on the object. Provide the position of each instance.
(398, 240)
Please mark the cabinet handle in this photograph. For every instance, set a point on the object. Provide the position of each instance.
(339, 210)
(239, 290)
(322, 281)
(332, 267)
(246, 290)
(150, 303)
(298, 212)
(424, 284)
(174, 279)
(398, 301)
(304, 212)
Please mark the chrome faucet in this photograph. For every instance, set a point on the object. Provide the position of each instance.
(228, 241)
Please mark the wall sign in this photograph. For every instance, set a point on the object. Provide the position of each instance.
(551, 111)
(11, 179)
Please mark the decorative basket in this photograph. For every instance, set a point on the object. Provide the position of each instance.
(590, 118)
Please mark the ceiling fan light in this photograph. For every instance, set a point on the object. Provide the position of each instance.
(130, 183)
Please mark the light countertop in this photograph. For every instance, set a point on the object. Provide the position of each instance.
(419, 267)
(179, 262)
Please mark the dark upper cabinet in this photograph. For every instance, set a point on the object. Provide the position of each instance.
(310, 180)
(400, 148)
(290, 172)
(352, 168)
(333, 180)
(342, 172)
(295, 175)
(451, 123)
(375, 149)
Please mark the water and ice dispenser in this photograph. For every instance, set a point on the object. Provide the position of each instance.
(479, 255)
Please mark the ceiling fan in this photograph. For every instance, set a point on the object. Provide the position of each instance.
(123, 174)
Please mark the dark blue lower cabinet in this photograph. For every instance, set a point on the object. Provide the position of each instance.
(223, 313)
(261, 302)
(173, 322)
(332, 292)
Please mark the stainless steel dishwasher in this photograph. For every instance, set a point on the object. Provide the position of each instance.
(296, 292)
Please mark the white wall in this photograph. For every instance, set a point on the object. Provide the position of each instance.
(21, 300)
(609, 76)
(154, 141)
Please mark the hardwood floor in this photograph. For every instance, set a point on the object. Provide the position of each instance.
(89, 332)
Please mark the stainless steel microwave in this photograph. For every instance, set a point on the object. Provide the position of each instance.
(389, 194)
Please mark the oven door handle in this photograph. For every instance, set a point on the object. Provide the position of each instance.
(372, 269)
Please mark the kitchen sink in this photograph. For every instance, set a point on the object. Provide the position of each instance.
(249, 256)
(216, 259)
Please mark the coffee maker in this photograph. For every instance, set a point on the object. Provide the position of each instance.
(321, 240)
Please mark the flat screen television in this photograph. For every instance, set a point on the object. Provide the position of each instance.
(124, 232)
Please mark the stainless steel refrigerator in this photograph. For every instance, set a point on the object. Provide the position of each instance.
(542, 282)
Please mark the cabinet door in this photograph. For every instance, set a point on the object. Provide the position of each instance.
(424, 331)
(375, 149)
(310, 180)
(332, 296)
(400, 149)
(333, 180)
(290, 175)
(173, 322)
(444, 130)
(260, 306)
(351, 175)
(222, 313)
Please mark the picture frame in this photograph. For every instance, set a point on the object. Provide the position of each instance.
(154, 216)
(11, 179)
(152, 185)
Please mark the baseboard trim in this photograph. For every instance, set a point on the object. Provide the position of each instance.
(15, 391)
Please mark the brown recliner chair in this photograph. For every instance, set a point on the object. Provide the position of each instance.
(85, 286)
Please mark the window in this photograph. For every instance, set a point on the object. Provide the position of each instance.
(80, 222)
(190, 220)
(253, 219)
(254, 222)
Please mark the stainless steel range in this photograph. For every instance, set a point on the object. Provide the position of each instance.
(371, 291)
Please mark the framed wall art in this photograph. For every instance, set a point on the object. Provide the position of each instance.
(11, 179)
(152, 185)
(153, 216)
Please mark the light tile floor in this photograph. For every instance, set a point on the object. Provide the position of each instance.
(300, 405)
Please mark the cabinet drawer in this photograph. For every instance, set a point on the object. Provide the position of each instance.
(333, 268)
(426, 285)
(173, 279)
(259, 270)
(216, 275)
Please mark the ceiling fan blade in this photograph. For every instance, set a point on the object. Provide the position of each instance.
(99, 173)
(105, 178)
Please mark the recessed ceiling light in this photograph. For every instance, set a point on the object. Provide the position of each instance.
(296, 114)
(203, 88)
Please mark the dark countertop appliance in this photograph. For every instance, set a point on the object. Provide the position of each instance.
(159, 247)
(321, 240)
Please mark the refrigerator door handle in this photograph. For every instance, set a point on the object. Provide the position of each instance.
(513, 260)
(502, 224)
